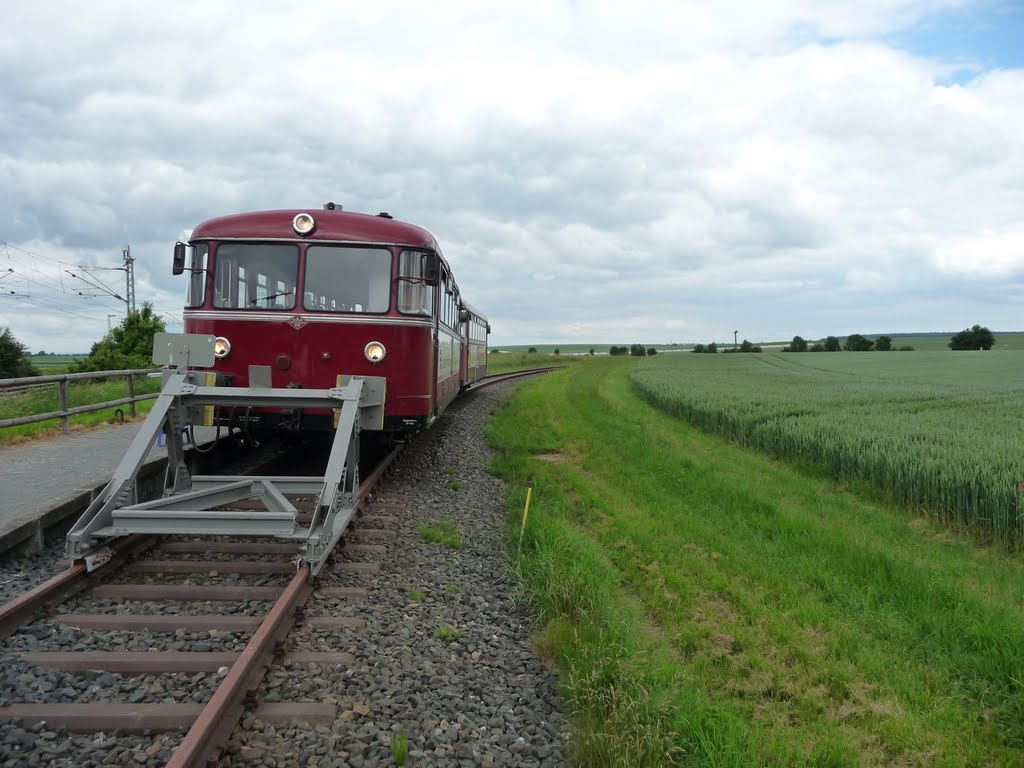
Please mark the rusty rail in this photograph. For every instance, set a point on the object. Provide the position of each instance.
(65, 584)
(208, 735)
(498, 378)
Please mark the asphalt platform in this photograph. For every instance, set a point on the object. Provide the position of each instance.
(49, 481)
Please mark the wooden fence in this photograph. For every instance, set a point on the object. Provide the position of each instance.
(61, 381)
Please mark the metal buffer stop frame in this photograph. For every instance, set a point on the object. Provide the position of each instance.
(189, 502)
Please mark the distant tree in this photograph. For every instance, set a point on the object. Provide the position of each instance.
(711, 348)
(975, 337)
(129, 345)
(531, 351)
(799, 344)
(816, 347)
(591, 351)
(556, 352)
(14, 362)
(883, 344)
(855, 342)
(832, 344)
(698, 348)
(637, 350)
(40, 353)
(906, 348)
(652, 351)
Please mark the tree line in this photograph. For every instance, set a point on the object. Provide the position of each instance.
(976, 337)
(130, 345)
(127, 346)
(636, 350)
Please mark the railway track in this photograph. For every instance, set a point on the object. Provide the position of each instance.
(176, 640)
(240, 597)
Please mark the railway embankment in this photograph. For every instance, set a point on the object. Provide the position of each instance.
(435, 642)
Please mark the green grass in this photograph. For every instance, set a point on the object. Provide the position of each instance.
(442, 532)
(708, 605)
(46, 400)
(935, 430)
(417, 595)
(399, 745)
(50, 365)
(515, 361)
(445, 632)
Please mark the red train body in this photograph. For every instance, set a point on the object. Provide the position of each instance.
(315, 294)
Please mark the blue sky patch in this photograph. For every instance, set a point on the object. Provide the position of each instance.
(982, 37)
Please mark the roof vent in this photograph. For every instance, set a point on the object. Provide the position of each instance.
(332, 207)
(385, 215)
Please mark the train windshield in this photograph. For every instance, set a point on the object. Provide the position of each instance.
(254, 276)
(347, 279)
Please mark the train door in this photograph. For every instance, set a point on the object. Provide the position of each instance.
(464, 326)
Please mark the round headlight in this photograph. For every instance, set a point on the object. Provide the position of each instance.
(221, 347)
(374, 352)
(303, 224)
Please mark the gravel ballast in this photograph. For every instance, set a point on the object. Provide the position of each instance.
(443, 662)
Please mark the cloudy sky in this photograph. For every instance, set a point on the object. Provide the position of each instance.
(595, 171)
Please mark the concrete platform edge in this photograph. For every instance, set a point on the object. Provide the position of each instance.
(28, 533)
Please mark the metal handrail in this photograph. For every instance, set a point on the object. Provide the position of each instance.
(61, 380)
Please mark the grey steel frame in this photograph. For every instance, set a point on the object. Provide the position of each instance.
(188, 504)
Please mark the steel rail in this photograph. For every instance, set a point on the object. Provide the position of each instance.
(207, 737)
(218, 718)
(65, 584)
(498, 378)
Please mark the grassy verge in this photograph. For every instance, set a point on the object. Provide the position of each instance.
(517, 361)
(46, 400)
(707, 605)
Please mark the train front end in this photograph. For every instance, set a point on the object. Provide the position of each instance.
(297, 299)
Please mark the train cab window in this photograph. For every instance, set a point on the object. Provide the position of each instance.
(415, 297)
(344, 279)
(256, 277)
(196, 263)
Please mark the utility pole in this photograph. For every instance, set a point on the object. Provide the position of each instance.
(109, 329)
(734, 337)
(130, 277)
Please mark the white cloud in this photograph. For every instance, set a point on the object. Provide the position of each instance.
(985, 255)
(590, 169)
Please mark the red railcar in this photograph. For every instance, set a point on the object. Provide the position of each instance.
(316, 294)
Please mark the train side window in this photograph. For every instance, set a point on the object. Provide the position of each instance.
(415, 296)
(351, 279)
(198, 259)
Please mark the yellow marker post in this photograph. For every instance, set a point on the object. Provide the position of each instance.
(526, 513)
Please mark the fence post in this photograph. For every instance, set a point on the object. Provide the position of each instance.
(65, 420)
(131, 394)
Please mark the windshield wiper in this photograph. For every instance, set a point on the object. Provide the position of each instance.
(271, 296)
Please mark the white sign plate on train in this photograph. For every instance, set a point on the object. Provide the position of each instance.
(194, 350)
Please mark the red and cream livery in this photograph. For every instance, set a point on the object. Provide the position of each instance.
(315, 294)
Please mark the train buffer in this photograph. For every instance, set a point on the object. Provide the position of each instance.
(191, 503)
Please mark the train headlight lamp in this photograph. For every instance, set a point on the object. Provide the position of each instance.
(221, 347)
(303, 224)
(374, 352)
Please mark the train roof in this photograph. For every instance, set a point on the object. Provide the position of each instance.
(336, 225)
